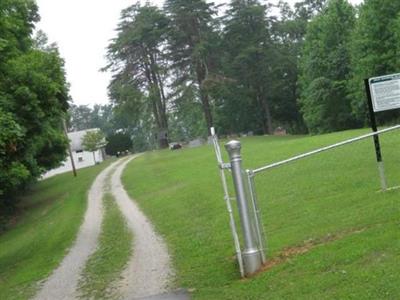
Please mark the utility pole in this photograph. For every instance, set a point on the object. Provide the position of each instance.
(69, 149)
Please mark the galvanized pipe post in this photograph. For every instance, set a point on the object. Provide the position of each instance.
(257, 216)
(251, 253)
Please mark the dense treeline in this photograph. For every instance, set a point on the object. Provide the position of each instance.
(178, 70)
(33, 101)
(186, 67)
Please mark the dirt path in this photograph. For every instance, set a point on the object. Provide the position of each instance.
(149, 270)
(147, 273)
(62, 283)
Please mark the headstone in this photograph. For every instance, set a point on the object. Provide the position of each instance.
(196, 143)
(280, 131)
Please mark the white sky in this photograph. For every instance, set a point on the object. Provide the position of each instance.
(82, 29)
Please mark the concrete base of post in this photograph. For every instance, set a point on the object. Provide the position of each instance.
(382, 176)
(252, 262)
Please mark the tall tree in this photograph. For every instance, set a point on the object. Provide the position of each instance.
(33, 100)
(325, 69)
(191, 42)
(80, 117)
(247, 61)
(375, 50)
(287, 31)
(136, 58)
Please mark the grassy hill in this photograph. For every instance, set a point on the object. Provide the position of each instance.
(331, 233)
(46, 226)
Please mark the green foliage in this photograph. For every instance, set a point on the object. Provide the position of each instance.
(93, 140)
(193, 49)
(325, 68)
(117, 143)
(375, 50)
(33, 100)
(83, 117)
(139, 65)
(250, 69)
(247, 62)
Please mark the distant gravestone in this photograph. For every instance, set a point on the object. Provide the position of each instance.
(280, 131)
(196, 143)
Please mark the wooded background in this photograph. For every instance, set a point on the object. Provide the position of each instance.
(178, 70)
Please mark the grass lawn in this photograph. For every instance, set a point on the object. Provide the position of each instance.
(106, 264)
(331, 234)
(49, 219)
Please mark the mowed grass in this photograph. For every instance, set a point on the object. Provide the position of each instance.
(331, 233)
(115, 247)
(46, 226)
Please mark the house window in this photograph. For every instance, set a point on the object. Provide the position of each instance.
(80, 159)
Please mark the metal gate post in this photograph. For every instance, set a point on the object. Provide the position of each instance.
(222, 167)
(251, 252)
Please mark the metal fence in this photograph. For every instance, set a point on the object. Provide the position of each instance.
(253, 255)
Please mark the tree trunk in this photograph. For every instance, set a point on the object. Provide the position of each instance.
(159, 105)
(207, 111)
(163, 139)
(205, 101)
(266, 112)
(94, 157)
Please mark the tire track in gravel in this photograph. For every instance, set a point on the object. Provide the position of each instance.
(63, 282)
(149, 270)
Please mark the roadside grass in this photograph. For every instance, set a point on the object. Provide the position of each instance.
(114, 249)
(49, 218)
(331, 233)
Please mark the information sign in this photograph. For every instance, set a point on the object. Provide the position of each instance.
(385, 92)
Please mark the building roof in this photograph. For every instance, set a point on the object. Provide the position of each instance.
(76, 138)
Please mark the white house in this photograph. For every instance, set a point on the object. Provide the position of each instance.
(81, 157)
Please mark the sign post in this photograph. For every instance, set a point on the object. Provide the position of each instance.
(383, 93)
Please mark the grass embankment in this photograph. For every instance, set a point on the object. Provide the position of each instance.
(106, 264)
(49, 218)
(330, 234)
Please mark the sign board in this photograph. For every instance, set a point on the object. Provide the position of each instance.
(385, 92)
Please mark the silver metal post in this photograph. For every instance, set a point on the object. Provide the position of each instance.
(251, 253)
(228, 201)
(257, 216)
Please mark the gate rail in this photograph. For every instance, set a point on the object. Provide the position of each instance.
(349, 141)
(251, 258)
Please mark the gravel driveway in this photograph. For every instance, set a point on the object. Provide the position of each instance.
(63, 282)
(149, 270)
(147, 273)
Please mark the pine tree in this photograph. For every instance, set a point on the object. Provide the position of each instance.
(247, 63)
(191, 42)
(136, 58)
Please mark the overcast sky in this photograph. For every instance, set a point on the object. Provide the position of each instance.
(82, 29)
